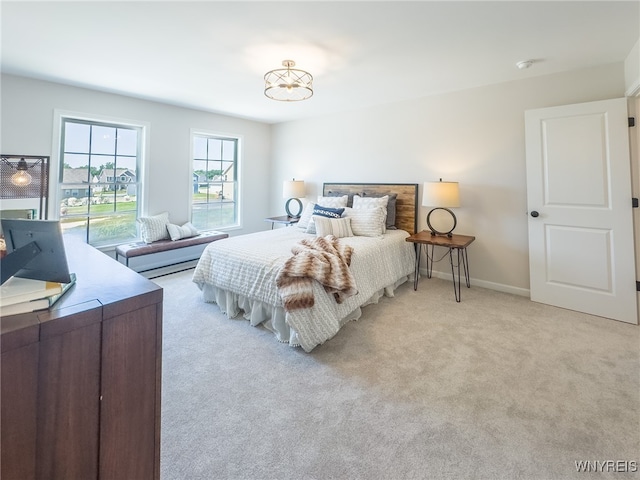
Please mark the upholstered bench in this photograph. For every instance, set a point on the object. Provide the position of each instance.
(138, 249)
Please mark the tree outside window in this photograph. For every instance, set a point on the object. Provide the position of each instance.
(99, 182)
(215, 182)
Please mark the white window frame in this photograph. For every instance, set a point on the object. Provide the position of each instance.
(58, 117)
(239, 167)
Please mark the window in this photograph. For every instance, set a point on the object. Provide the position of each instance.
(99, 180)
(215, 182)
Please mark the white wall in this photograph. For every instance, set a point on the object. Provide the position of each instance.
(28, 122)
(632, 71)
(475, 137)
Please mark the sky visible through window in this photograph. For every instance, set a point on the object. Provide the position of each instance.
(99, 173)
(103, 143)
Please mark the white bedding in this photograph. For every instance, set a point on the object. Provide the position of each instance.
(239, 274)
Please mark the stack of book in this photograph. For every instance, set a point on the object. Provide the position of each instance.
(23, 295)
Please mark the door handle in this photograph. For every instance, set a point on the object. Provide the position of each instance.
(534, 214)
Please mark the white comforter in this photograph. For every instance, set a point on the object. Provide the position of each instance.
(239, 274)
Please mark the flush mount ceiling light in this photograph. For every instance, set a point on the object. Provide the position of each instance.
(288, 84)
(524, 64)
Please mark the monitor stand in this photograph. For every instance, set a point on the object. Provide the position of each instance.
(16, 260)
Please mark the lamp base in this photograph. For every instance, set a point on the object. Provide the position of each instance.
(286, 208)
(437, 232)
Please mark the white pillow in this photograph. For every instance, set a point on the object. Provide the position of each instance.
(154, 228)
(306, 216)
(338, 227)
(185, 231)
(372, 202)
(311, 226)
(322, 211)
(333, 202)
(366, 222)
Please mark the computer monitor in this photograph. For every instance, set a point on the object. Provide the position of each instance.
(35, 249)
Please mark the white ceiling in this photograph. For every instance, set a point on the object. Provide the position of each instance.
(212, 55)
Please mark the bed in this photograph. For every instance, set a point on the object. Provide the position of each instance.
(239, 274)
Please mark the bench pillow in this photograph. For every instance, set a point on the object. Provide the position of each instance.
(154, 228)
(177, 232)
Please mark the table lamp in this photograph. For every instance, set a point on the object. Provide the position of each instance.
(442, 196)
(293, 190)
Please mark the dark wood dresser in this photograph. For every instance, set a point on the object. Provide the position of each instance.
(80, 382)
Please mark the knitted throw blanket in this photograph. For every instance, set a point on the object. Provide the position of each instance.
(324, 259)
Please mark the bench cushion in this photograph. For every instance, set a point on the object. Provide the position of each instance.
(138, 249)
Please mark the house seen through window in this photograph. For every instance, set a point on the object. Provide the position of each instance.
(99, 182)
(215, 182)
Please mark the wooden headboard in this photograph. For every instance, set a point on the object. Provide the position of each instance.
(406, 203)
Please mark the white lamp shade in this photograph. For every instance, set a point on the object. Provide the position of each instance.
(293, 189)
(441, 194)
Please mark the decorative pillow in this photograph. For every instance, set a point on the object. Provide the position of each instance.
(185, 231)
(372, 202)
(154, 228)
(391, 208)
(328, 211)
(366, 222)
(306, 216)
(339, 194)
(321, 211)
(339, 227)
(333, 202)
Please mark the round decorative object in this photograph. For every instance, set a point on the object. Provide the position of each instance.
(437, 232)
(287, 209)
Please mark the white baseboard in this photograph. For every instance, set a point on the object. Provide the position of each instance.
(523, 292)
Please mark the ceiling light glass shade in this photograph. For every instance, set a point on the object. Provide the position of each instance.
(441, 194)
(288, 84)
(21, 178)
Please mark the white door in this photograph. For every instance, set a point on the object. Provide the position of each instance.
(581, 253)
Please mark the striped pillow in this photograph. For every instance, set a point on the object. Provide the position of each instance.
(372, 202)
(367, 222)
(338, 227)
(320, 211)
(177, 232)
(154, 228)
(331, 202)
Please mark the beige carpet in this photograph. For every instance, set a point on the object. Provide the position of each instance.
(421, 387)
